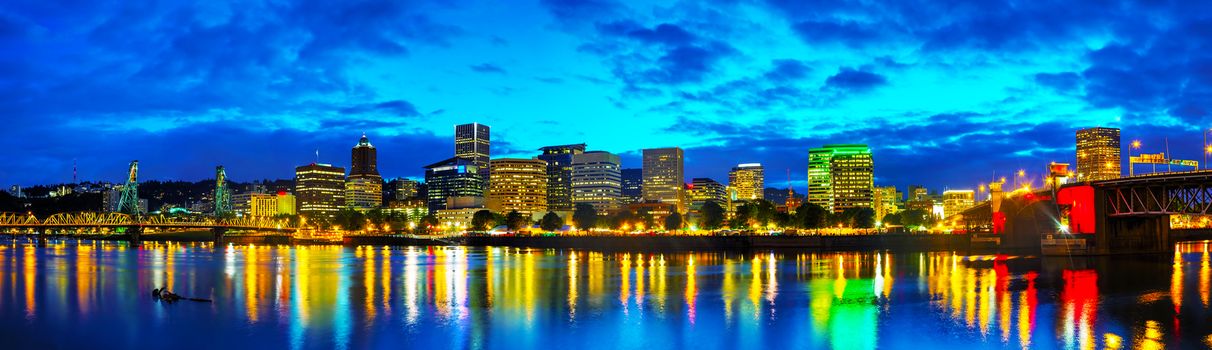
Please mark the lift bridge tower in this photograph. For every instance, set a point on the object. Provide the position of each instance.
(222, 193)
(129, 201)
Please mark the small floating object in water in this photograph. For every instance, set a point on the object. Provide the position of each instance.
(166, 296)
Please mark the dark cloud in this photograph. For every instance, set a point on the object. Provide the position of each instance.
(487, 68)
(856, 80)
(787, 70)
(394, 107)
(846, 32)
(1063, 82)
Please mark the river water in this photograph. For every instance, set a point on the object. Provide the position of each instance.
(86, 294)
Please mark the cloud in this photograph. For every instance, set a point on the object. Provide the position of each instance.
(855, 80)
(487, 68)
(394, 107)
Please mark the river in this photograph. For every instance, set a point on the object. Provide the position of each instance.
(94, 294)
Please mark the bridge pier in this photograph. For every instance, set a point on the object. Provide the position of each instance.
(134, 234)
(218, 232)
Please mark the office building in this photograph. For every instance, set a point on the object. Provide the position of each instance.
(748, 181)
(702, 190)
(559, 174)
(887, 201)
(403, 189)
(264, 205)
(1098, 154)
(454, 183)
(472, 143)
(956, 201)
(841, 177)
(517, 184)
(597, 179)
(364, 186)
(633, 186)
(320, 190)
(664, 177)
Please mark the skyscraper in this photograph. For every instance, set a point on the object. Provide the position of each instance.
(320, 190)
(1098, 154)
(956, 201)
(664, 177)
(633, 186)
(364, 187)
(559, 174)
(402, 189)
(841, 177)
(453, 184)
(472, 143)
(597, 180)
(703, 190)
(748, 180)
(517, 184)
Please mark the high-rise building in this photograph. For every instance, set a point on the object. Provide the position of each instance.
(363, 159)
(887, 201)
(364, 187)
(633, 186)
(702, 190)
(1098, 154)
(454, 183)
(597, 180)
(364, 192)
(956, 201)
(402, 189)
(664, 177)
(472, 143)
(841, 177)
(748, 180)
(320, 190)
(517, 184)
(559, 174)
(263, 204)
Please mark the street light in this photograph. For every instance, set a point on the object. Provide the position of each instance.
(1135, 146)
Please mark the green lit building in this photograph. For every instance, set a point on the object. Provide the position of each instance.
(841, 177)
(454, 183)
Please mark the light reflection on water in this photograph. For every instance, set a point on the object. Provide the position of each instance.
(451, 297)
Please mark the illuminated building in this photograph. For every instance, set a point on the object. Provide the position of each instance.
(412, 209)
(402, 189)
(748, 180)
(364, 187)
(793, 202)
(320, 189)
(703, 190)
(887, 201)
(956, 201)
(664, 177)
(1098, 154)
(597, 180)
(472, 143)
(559, 174)
(455, 219)
(841, 177)
(517, 184)
(453, 183)
(263, 204)
(633, 186)
(364, 192)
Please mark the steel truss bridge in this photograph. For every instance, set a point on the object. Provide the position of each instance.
(1159, 194)
(91, 222)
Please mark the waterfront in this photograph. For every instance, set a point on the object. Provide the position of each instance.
(95, 294)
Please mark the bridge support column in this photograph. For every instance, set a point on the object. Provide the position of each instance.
(218, 233)
(134, 234)
(41, 238)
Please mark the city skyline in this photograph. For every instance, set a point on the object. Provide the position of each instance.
(618, 77)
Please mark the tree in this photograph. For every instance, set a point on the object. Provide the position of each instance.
(740, 221)
(551, 222)
(515, 220)
(915, 217)
(864, 217)
(350, 219)
(810, 216)
(584, 216)
(481, 220)
(427, 223)
(712, 216)
(673, 222)
(624, 218)
(892, 219)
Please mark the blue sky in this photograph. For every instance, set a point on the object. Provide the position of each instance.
(947, 93)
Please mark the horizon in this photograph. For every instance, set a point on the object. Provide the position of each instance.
(969, 91)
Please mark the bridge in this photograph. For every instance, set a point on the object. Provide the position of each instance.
(1125, 215)
(131, 226)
